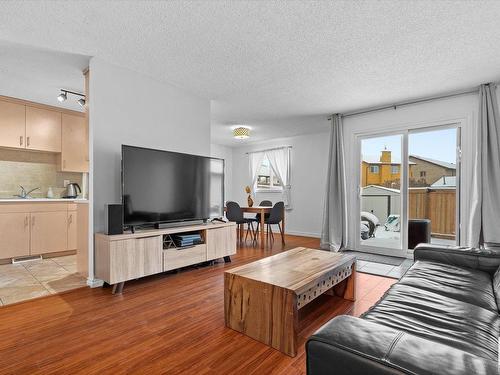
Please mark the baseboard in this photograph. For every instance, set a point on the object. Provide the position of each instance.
(95, 283)
(303, 234)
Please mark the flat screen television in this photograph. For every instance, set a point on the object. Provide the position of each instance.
(168, 187)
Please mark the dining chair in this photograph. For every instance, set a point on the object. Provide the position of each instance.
(276, 216)
(264, 203)
(234, 213)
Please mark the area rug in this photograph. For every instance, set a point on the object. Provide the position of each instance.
(375, 258)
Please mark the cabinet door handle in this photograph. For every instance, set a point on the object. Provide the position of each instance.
(70, 220)
(33, 221)
(26, 221)
(28, 141)
(21, 140)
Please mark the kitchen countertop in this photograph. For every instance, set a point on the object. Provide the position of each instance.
(34, 200)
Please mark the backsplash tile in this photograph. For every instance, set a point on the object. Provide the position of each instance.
(32, 169)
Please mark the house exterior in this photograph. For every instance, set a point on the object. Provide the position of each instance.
(427, 171)
(384, 172)
(387, 172)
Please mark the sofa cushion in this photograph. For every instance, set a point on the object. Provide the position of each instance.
(439, 318)
(496, 287)
(464, 284)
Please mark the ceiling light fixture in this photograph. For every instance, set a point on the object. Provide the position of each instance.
(63, 96)
(241, 132)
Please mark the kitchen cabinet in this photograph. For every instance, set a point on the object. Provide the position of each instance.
(25, 125)
(14, 234)
(49, 232)
(12, 125)
(74, 148)
(43, 129)
(72, 230)
(35, 228)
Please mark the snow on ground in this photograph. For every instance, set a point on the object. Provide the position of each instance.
(392, 240)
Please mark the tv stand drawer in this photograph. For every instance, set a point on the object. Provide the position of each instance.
(177, 258)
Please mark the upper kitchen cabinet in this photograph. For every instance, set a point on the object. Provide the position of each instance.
(12, 125)
(43, 129)
(74, 152)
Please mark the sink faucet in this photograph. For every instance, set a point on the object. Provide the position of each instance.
(25, 194)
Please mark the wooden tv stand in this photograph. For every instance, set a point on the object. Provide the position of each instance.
(128, 256)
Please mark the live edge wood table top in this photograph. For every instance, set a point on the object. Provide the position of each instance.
(262, 299)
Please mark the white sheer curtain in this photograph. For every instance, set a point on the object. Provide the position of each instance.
(255, 161)
(280, 163)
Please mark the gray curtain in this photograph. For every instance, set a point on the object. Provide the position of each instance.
(334, 233)
(484, 226)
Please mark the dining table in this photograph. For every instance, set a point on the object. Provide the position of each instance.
(262, 210)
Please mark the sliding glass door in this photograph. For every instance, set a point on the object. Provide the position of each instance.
(433, 164)
(408, 188)
(381, 203)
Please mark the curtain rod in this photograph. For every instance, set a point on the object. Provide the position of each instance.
(410, 102)
(268, 149)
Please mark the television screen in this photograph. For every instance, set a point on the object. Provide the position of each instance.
(163, 186)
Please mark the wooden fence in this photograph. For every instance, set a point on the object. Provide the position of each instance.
(439, 206)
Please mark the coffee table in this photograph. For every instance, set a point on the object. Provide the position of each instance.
(262, 298)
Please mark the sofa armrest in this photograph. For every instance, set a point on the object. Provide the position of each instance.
(349, 345)
(487, 260)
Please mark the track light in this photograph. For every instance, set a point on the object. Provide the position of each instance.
(63, 96)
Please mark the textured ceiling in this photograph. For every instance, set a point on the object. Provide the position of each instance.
(38, 75)
(278, 66)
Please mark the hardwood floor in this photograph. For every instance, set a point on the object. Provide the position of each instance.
(170, 323)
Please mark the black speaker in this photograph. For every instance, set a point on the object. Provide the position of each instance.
(113, 218)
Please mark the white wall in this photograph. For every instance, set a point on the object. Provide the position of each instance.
(460, 110)
(226, 153)
(310, 153)
(129, 108)
(309, 156)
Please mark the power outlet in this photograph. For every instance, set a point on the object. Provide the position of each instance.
(66, 183)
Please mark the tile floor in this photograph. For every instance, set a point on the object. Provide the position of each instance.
(37, 278)
(383, 269)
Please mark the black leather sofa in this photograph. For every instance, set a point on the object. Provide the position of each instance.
(442, 317)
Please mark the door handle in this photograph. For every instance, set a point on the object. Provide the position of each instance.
(26, 221)
(70, 219)
(21, 140)
(28, 141)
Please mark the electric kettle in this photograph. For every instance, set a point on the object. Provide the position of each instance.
(71, 190)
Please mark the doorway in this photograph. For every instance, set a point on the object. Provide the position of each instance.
(406, 179)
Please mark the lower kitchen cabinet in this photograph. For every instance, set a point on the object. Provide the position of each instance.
(72, 230)
(37, 228)
(49, 232)
(14, 234)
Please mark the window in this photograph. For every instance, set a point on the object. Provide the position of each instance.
(374, 169)
(423, 174)
(266, 178)
(395, 169)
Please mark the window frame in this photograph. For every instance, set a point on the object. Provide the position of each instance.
(374, 166)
